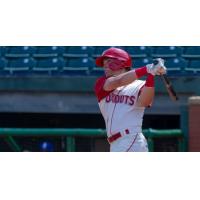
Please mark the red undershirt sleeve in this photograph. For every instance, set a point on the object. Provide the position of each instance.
(99, 91)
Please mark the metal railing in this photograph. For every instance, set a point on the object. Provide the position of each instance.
(71, 134)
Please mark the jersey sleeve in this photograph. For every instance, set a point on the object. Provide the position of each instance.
(99, 91)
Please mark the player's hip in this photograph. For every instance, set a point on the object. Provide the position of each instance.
(117, 133)
(130, 143)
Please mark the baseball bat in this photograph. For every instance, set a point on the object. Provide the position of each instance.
(168, 85)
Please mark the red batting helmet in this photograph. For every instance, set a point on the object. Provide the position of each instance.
(117, 53)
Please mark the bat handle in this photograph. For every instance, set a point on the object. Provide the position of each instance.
(164, 76)
(155, 62)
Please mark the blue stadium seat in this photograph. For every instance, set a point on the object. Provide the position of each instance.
(141, 62)
(48, 66)
(193, 68)
(97, 71)
(2, 51)
(139, 51)
(20, 66)
(78, 51)
(81, 62)
(3, 65)
(78, 66)
(167, 51)
(19, 51)
(48, 51)
(176, 66)
(99, 50)
(191, 52)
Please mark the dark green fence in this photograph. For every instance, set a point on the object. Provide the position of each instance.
(71, 134)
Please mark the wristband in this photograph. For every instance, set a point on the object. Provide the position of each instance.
(142, 71)
(149, 81)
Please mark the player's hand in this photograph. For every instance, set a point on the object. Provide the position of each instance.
(157, 68)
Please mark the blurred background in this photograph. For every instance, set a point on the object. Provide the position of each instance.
(47, 101)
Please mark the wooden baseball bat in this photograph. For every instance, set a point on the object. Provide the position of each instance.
(169, 87)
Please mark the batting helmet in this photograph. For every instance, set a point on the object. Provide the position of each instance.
(117, 53)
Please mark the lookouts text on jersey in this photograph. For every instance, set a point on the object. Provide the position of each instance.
(123, 118)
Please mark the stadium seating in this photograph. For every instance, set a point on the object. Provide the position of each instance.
(19, 66)
(19, 51)
(167, 51)
(78, 51)
(3, 65)
(193, 68)
(99, 50)
(141, 62)
(2, 51)
(48, 51)
(80, 60)
(139, 51)
(48, 66)
(97, 71)
(176, 66)
(3, 62)
(191, 52)
(78, 66)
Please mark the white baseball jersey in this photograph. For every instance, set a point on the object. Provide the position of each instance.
(119, 108)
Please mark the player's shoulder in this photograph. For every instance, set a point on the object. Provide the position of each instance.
(100, 80)
(99, 90)
(137, 83)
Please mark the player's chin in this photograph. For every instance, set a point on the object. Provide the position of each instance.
(108, 75)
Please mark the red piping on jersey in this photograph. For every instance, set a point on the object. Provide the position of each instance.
(113, 113)
(132, 143)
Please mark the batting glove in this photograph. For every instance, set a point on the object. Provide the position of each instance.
(157, 67)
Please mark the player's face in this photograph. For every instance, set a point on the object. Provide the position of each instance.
(109, 69)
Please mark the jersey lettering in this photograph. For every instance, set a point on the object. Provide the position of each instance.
(130, 100)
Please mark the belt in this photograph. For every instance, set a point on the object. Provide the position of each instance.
(116, 136)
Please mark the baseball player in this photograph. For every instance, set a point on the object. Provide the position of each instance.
(122, 98)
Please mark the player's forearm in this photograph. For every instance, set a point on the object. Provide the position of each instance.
(146, 97)
(125, 78)
(148, 92)
(131, 76)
